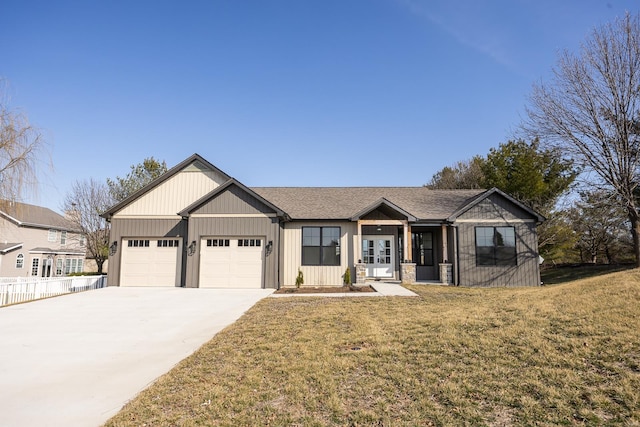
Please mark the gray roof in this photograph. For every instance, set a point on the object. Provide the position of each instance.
(24, 214)
(346, 202)
(8, 247)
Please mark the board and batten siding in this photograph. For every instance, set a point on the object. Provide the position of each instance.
(495, 207)
(175, 194)
(124, 228)
(316, 275)
(235, 213)
(265, 227)
(525, 273)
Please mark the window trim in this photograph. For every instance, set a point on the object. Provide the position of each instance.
(321, 262)
(53, 235)
(20, 261)
(494, 255)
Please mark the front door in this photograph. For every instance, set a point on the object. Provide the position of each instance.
(377, 254)
(423, 245)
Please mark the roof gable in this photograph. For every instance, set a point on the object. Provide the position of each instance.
(238, 199)
(383, 208)
(494, 204)
(190, 179)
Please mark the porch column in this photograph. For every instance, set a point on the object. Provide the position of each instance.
(445, 244)
(406, 250)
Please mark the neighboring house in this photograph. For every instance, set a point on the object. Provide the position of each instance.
(195, 226)
(36, 241)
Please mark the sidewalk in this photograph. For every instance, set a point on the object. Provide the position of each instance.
(383, 289)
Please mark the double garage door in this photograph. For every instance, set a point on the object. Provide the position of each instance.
(224, 262)
(231, 262)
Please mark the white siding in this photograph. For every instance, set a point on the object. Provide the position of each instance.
(316, 275)
(175, 194)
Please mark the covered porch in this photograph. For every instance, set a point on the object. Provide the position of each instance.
(390, 244)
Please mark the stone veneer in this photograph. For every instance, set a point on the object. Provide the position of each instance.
(446, 273)
(361, 273)
(408, 273)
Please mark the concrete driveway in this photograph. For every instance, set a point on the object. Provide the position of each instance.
(75, 360)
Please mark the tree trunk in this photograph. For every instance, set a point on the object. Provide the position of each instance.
(635, 232)
(99, 263)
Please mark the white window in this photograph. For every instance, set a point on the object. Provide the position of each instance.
(80, 266)
(63, 237)
(19, 261)
(59, 267)
(83, 241)
(53, 235)
(34, 266)
(67, 266)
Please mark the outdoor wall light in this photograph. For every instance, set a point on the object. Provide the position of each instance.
(269, 247)
(113, 248)
(192, 248)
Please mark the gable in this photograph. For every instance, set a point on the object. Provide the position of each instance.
(233, 200)
(498, 208)
(384, 212)
(177, 192)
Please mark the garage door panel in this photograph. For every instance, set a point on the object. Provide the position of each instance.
(150, 262)
(231, 263)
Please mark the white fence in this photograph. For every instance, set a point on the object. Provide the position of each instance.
(21, 289)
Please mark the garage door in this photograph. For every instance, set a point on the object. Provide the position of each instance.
(150, 262)
(231, 262)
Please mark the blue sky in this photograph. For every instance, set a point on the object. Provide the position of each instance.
(281, 93)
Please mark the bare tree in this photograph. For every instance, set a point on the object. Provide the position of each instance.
(83, 204)
(20, 146)
(591, 111)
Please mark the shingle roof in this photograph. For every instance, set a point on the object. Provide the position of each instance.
(34, 216)
(345, 202)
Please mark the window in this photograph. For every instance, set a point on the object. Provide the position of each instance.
(53, 235)
(59, 267)
(83, 241)
(249, 242)
(168, 243)
(217, 242)
(423, 248)
(138, 243)
(63, 237)
(19, 261)
(496, 246)
(67, 266)
(34, 266)
(320, 245)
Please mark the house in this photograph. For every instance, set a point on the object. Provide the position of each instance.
(36, 241)
(195, 226)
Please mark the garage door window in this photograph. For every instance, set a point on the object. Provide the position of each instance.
(138, 243)
(168, 243)
(249, 242)
(217, 242)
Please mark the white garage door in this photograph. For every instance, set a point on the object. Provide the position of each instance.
(150, 262)
(231, 262)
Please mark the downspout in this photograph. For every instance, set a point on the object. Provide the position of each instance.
(456, 279)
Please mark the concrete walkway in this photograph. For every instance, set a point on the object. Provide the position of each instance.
(75, 360)
(383, 289)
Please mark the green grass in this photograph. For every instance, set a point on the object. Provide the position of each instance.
(559, 355)
(568, 273)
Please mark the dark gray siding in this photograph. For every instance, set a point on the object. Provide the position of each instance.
(125, 228)
(233, 201)
(525, 273)
(496, 207)
(203, 227)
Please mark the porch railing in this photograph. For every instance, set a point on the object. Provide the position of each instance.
(21, 289)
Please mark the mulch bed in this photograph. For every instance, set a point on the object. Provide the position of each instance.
(325, 290)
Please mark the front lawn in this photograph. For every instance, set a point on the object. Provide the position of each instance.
(566, 354)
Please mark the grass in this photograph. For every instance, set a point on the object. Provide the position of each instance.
(568, 273)
(554, 355)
